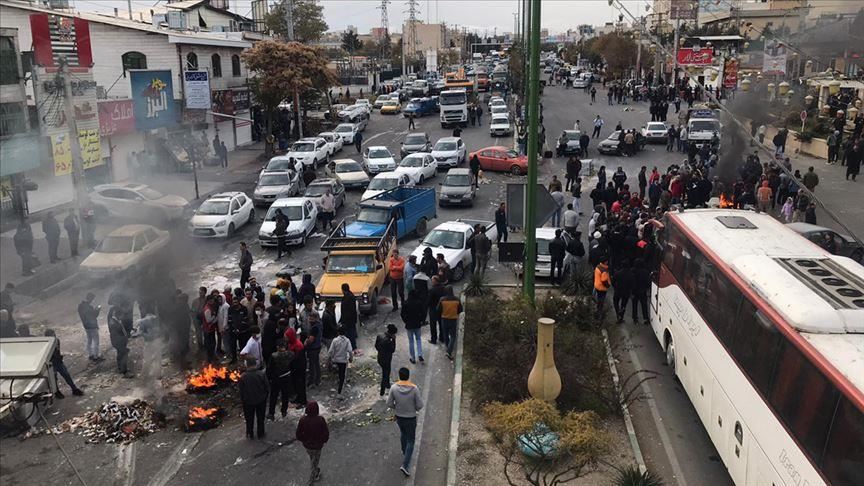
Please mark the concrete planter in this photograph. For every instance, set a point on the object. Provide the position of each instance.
(816, 147)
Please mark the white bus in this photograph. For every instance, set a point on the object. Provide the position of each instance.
(765, 330)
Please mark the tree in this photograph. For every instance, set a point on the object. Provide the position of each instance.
(618, 51)
(284, 70)
(577, 446)
(309, 24)
(350, 42)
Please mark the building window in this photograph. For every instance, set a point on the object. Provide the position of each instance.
(134, 60)
(11, 119)
(216, 61)
(235, 66)
(192, 61)
(8, 61)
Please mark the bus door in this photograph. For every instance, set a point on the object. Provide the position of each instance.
(730, 435)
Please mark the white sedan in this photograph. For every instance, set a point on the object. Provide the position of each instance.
(125, 250)
(378, 159)
(302, 216)
(500, 126)
(310, 151)
(221, 214)
(137, 201)
(419, 167)
(385, 182)
(347, 132)
(334, 142)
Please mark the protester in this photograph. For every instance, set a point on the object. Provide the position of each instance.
(312, 345)
(254, 390)
(73, 231)
(313, 433)
(404, 397)
(397, 278)
(348, 321)
(52, 235)
(60, 368)
(385, 345)
(279, 374)
(340, 354)
(119, 330)
(298, 367)
(449, 308)
(413, 314)
(245, 263)
(89, 319)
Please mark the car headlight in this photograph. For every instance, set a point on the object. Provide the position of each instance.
(220, 224)
(365, 297)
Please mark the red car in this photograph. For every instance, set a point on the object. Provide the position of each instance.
(501, 159)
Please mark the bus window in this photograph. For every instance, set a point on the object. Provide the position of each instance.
(718, 302)
(755, 345)
(843, 463)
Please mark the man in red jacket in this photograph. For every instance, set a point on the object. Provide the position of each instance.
(313, 433)
(397, 279)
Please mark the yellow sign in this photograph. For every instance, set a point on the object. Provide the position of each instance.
(91, 151)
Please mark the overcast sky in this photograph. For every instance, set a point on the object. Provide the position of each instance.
(557, 15)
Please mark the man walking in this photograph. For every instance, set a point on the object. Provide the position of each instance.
(601, 284)
(598, 124)
(474, 164)
(358, 141)
(449, 308)
(593, 95)
(810, 179)
(557, 252)
(52, 234)
(313, 433)
(641, 286)
(501, 222)
(623, 283)
(406, 401)
(89, 319)
(397, 279)
(279, 373)
(312, 347)
(328, 209)
(482, 247)
(245, 264)
(348, 320)
(411, 125)
(435, 293)
(73, 231)
(385, 344)
(413, 314)
(60, 368)
(254, 390)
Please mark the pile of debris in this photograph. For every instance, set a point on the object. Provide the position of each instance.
(115, 423)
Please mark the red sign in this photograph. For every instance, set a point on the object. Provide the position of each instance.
(116, 117)
(730, 74)
(56, 36)
(692, 57)
(803, 115)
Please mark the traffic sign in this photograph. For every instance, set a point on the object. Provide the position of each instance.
(803, 115)
(546, 205)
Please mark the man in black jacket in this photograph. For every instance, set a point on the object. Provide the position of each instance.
(254, 390)
(501, 222)
(557, 250)
(279, 374)
(385, 344)
(279, 231)
(474, 164)
(52, 234)
(245, 264)
(436, 327)
(349, 316)
(23, 240)
(237, 328)
(641, 286)
(622, 280)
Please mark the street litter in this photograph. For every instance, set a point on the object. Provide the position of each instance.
(115, 423)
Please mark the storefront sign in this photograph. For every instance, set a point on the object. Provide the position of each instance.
(116, 117)
(730, 74)
(91, 151)
(197, 89)
(774, 60)
(242, 99)
(223, 103)
(687, 56)
(153, 95)
(50, 101)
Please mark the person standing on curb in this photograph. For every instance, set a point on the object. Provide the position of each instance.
(385, 344)
(313, 433)
(397, 279)
(52, 235)
(405, 400)
(73, 231)
(449, 308)
(254, 390)
(23, 240)
(89, 319)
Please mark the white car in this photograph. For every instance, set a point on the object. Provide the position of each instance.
(419, 167)
(379, 101)
(499, 126)
(377, 159)
(137, 201)
(127, 249)
(334, 142)
(350, 173)
(354, 113)
(499, 110)
(221, 214)
(310, 151)
(655, 132)
(449, 152)
(347, 132)
(385, 182)
(364, 103)
(282, 163)
(276, 185)
(302, 216)
(451, 240)
(496, 101)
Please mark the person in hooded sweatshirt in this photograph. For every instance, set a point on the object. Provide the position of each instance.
(404, 398)
(313, 433)
(306, 288)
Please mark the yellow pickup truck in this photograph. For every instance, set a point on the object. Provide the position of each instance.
(362, 263)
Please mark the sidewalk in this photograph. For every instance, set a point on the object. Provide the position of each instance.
(241, 162)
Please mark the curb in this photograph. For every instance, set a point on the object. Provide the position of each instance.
(453, 445)
(628, 420)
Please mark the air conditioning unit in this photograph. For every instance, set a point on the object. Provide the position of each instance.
(176, 20)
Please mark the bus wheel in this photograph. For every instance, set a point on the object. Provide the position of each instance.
(670, 353)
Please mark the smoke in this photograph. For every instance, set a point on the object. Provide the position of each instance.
(736, 142)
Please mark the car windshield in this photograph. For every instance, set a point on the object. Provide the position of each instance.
(614, 136)
(214, 207)
(279, 164)
(502, 120)
(571, 135)
(383, 183)
(511, 154)
(348, 167)
(383, 98)
(379, 153)
(704, 126)
(303, 147)
(150, 193)
(656, 126)
(415, 140)
(391, 103)
(350, 263)
(344, 129)
(411, 162)
(374, 215)
(115, 244)
(293, 213)
(457, 180)
(316, 190)
(445, 146)
(446, 239)
(498, 103)
(275, 180)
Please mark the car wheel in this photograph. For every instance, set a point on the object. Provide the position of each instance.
(670, 354)
(421, 180)
(516, 170)
(459, 272)
(230, 230)
(421, 228)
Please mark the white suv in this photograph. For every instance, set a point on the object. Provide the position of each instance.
(449, 152)
(334, 142)
(310, 151)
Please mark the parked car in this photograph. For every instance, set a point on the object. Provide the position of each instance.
(571, 144)
(316, 189)
(457, 188)
(302, 216)
(391, 107)
(610, 145)
(347, 132)
(415, 142)
(379, 101)
(310, 151)
(221, 214)
(502, 159)
(499, 110)
(126, 250)
(276, 185)
(499, 126)
(378, 159)
(334, 142)
(350, 173)
(137, 202)
(451, 239)
(497, 101)
(384, 182)
(655, 132)
(449, 152)
(282, 163)
(846, 245)
(419, 167)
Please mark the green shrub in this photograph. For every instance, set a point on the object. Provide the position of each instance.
(632, 476)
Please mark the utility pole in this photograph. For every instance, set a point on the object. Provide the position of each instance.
(526, 31)
(533, 147)
(289, 20)
(385, 27)
(413, 11)
(78, 176)
(675, 47)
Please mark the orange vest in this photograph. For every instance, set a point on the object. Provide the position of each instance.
(601, 278)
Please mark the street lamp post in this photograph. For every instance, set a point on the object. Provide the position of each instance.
(533, 147)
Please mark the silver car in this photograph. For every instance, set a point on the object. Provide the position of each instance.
(457, 189)
(276, 185)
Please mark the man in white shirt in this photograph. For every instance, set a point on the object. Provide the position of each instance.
(222, 322)
(571, 220)
(328, 209)
(598, 124)
(252, 349)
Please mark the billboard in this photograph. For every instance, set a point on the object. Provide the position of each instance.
(687, 56)
(116, 117)
(91, 151)
(730, 74)
(196, 87)
(683, 9)
(56, 37)
(153, 99)
(774, 58)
